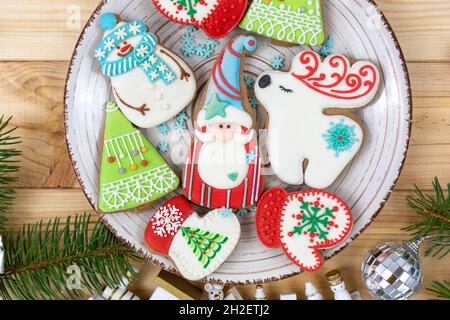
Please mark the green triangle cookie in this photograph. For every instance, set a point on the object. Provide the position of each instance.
(132, 172)
(293, 21)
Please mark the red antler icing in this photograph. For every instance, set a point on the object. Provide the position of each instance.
(343, 82)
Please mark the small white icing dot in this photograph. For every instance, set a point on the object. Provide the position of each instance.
(121, 156)
(166, 106)
(311, 11)
(159, 96)
(310, 2)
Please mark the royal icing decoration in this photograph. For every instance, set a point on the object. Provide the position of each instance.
(224, 165)
(197, 245)
(132, 174)
(297, 101)
(302, 223)
(216, 18)
(150, 83)
(294, 21)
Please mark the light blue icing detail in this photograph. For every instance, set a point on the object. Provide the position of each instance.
(143, 55)
(230, 69)
(108, 21)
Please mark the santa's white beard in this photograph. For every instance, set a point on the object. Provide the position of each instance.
(223, 165)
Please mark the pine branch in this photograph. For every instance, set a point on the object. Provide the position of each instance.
(39, 260)
(8, 165)
(435, 213)
(441, 289)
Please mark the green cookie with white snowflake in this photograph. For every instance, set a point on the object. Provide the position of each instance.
(292, 21)
(133, 174)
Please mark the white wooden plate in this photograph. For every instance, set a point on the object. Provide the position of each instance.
(359, 31)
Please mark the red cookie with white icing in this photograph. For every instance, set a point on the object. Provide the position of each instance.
(197, 245)
(216, 18)
(302, 223)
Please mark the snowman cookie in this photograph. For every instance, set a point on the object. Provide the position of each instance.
(292, 21)
(197, 245)
(150, 83)
(216, 18)
(302, 223)
(132, 172)
(311, 102)
(224, 167)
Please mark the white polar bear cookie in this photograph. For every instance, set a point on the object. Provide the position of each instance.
(298, 127)
(150, 83)
(197, 245)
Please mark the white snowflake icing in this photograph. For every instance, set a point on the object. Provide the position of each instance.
(135, 28)
(162, 68)
(153, 75)
(170, 77)
(109, 44)
(142, 51)
(146, 65)
(99, 54)
(121, 34)
(167, 221)
(152, 59)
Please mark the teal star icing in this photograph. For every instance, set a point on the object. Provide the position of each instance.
(215, 107)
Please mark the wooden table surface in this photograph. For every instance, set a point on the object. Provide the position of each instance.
(37, 40)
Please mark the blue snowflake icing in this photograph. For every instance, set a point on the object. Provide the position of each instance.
(192, 48)
(226, 212)
(278, 62)
(250, 156)
(340, 137)
(164, 129)
(253, 102)
(242, 212)
(188, 50)
(180, 126)
(249, 81)
(163, 147)
(191, 29)
(181, 117)
(327, 48)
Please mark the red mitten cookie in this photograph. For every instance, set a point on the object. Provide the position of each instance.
(197, 245)
(216, 17)
(302, 223)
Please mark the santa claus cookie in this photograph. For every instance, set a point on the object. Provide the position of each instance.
(216, 18)
(150, 83)
(132, 172)
(302, 223)
(311, 103)
(293, 21)
(224, 165)
(197, 245)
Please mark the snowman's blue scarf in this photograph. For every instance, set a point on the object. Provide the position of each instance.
(143, 55)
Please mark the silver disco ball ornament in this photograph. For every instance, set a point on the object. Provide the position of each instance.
(393, 271)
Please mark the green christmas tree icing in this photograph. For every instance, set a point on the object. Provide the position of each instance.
(294, 21)
(204, 244)
(132, 172)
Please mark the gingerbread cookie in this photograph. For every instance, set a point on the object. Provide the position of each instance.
(150, 83)
(216, 18)
(302, 223)
(197, 245)
(132, 172)
(293, 21)
(312, 103)
(224, 165)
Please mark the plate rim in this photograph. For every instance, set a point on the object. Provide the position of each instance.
(173, 270)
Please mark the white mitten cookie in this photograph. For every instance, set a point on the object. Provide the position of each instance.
(197, 245)
(302, 223)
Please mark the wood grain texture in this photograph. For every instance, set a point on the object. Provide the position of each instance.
(32, 91)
